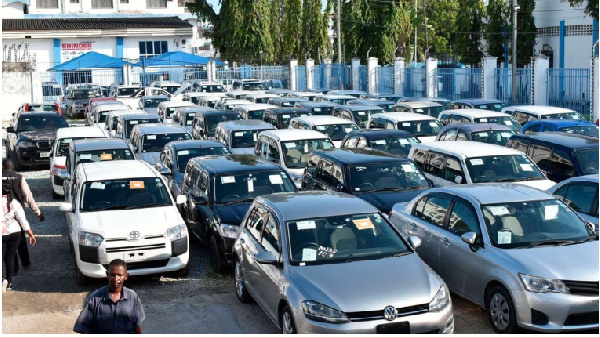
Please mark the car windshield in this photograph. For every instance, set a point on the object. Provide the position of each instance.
(124, 194)
(527, 224)
(395, 145)
(244, 138)
(245, 187)
(133, 122)
(383, 176)
(32, 123)
(184, 156)
(433, 111)
(505, 168)
(284, 119)
(340, 101)
(62, 145)
(195, 99)
(564, 115)
(189, 118)
(296, 153)
(214, 120)
(336, 131)
(155, 143)
(342, 239)
(255, 114)
(154, 102)
(498, 137)
(361, 118)
(211, 88)
(171, 89)
(421, 128)
(102, 155)
(85, 94)
(586, 130)
(322, 111)
(491, 106)
(508, 121)
(588, 160)
(127, 92)
(261, 100)
(254, 86)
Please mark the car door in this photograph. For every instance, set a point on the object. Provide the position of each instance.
(72, 216)
(250, 243)
(67, 182)
(321, 176)
(434, 169)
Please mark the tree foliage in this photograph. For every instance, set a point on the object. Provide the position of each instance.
(525, 32)
(441, 18)
(469, 28)
(291, 28)
(314, 32)
(591, 7)
(498, 28)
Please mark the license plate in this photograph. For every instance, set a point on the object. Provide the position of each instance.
(44, 154)
(399, 327)
(134, 256)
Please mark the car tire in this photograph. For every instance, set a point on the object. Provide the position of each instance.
(80, 279)
(286, 321)
(213, 253)
(241, 292)
(501, 311)
(56, 195)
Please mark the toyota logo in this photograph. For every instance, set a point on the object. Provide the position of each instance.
(134, 235)
(390, 313)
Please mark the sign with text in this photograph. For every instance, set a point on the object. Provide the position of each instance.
(70, 51)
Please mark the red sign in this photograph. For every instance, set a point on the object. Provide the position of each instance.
(77, 46)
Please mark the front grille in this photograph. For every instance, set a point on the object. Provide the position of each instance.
(151, 237)
(584, 318)
(144, 264)
(362, 316)
(135, 248)
(582, 287)
(44, 145)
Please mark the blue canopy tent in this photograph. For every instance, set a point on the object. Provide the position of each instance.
(176, 58)
(91, 60)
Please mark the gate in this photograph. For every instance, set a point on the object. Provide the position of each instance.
(569, 88)
(301, 78)
(414, 82)
(363, 78)
(457, 83)
(503, 85)
(384, 79)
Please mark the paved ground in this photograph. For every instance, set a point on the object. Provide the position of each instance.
(45, 298)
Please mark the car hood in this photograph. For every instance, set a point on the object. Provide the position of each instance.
(379, 283)
(119, 223)
(150, 157)
(38, 135)
(576, 262)
(542, 185)
(242, 150)
(384, 201)
(232, 214)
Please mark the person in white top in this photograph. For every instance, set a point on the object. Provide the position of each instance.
(13, 222)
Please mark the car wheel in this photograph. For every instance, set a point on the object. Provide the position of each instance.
(56, 195)
(80, 279)
(213, 253)
(287, 321)
(241, 292)
(502, 311)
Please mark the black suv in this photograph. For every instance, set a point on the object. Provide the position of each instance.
(379, 178)
(29, 139)
(220, 189)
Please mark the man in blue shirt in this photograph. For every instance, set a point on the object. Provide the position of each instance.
(113, 308)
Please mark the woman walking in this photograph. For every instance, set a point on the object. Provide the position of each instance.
(13, 222)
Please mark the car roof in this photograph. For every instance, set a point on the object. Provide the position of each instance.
(284, 110)
(345, 92)
(338, 96)
(495, 193)
(432, 99)
(376, 134)
(80, 131)
(358, 156)
(477, 101)
(562, 139)
(255, 106)
(323, 120)
(39, 113)
(91, 144)
(154, 128)
(202, 94)
(116, 169)
(419, 104)
(170, 104)
(111, 107)
(123, 112)
(155, 96)
(238, 101)
(467, 149)
(235, 163)
(541, 109)
(293, 206)
(139, 116)
(370, 102)
(166, 83)
(194, 144)
(285, 135)
(560, 122)
(316, 104)
(474, 127)
(217, 112)
(404, 116)
(196, 109)
(306, 93)
(475, 113)
(247, 124)
(361, 107)
(262, 95)
(288, 98)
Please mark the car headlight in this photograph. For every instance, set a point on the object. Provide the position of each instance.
(440, 300)
(25, 144)
(90, 239)
(178, 232)
(322, 313)
(543, 285)
(228, 231)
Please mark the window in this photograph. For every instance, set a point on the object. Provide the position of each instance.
(533, 128)
(453, 170)
(462, 136)
(581, 197)
(156, 3)
(47, 4)
(362, 142)
(181, 3)
(445, 119)
(522, 117)
(74, 1)
(435, 164)
(434, 210)
(255, 222)
(449, 135)
(463, 219)
(562, 163)
(152, 48)
(270, 237)
(203, 182)
(351, 142)
(419, 207)
(124, 1)
(102, 4)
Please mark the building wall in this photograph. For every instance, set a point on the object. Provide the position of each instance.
(41, 49)
(85, 6)
(16, 90)
(13, 11)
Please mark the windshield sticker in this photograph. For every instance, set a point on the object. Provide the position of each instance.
(239, 134)
(498, 210)
(405, 124)
(504, 237)
(133, 122)
(227, 180)
(550, 212)
(482, 120)
(136, 185)
(409, 168)
(320, 127)
(184, 152)
(106, 156)
(476, 162)
(151, 137)
(290, 145)
(508, 123)
(276, 179)
(255, 136)
(506, 134)
(285, 116)
(250, 184)
(309, 254)
(326, 252)
(379, 142)
(432, 124)
(361, 113)
(526, 167)
(363, 223)
(85, 156)
(97, 186)
(306, 225)
(67, 140)
(483, 134)
(404, 141)
(377, 218)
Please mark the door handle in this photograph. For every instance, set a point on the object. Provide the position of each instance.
(446, 242)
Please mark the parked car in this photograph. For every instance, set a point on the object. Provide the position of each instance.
(353, 93)
(260, 98)
(29, 139)
(359, 114)
(380, 178)
(40, 107)
(249, 84)
(241, 94)
(386, 97)
(387, 106)
(280, 117)
(150, 103)
(170, 87)
(335, 99)
(335, 128)
(220, 190)
(97, 115)
(148, 140)
(478, 103)
(525, 113)
(559, 155)
(279, 91)
(98, 100)
(320, 108)
(573, 126)
(311, 96)
(478, 116)
(287, 260)
(455, 162)
(184, 116)
(439, 100)
(112, 120)
(208, 87)
(253, 111)
(166, 109)
(205, 122)
(285, 102)
(581, 194)
(489, 133)
(125, 123)
(290, 149)
(396, 142)
(424, 127)
(195, 97)
(231, 104)
(120, 90)
(240, 135)
(78, 100)
(54, 92)
(421, 107)
(209, 101)
(123, 210)
(515, 251)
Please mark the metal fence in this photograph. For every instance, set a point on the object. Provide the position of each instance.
(100, 77)
(363, 78)
(145, 76)
(457, 83)
(301, 78)
(414, 82)
(384, 79)
(569, 88)
(503, 85)
(332, 76)
(227, 75)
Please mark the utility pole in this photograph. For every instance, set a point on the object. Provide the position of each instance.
(415, 58)
(425, 24)
(339, 30)
(515, 8)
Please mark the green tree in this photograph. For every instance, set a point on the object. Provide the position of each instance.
(525, 32)
(314, 33)
(498, 28)
(441, 16)
(276, 17)
(469, 31)
(591, 7)
(291, 29)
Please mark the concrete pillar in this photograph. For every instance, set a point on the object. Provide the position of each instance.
(294, 74)
(595, 91)
(398, 76)
(372, 64)
(126, 74)
(355, 74)
(488, 70)
(211, 71)
(310, 63)
(539, 79)
(430, 77)
(327, 74)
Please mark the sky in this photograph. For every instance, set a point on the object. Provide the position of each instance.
(215, 4)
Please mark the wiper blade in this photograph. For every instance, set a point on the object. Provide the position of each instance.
(387, 189)
(239, 201)
(551, 243)
(504, 180)
(530, 178)
(589, 238)
(147, 205)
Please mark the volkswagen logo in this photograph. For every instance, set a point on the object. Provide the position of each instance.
(390, 313)
(134, 235)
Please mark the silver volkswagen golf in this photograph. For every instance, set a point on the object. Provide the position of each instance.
(322, 262)
(526, 257)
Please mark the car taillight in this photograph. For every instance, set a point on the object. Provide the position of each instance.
(60, 167)
(26, 107)
(58, 108)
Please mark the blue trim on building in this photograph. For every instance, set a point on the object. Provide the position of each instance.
(561, 37)
(595, 35)
(57, 59)
(119, 47)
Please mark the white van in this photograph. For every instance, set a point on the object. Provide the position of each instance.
(424, 128)
(166, 109)
(525, 113)
(335, 127)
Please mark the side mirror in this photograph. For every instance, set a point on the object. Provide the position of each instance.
(469, 238)
(165, 171)
(414, 241)
(10, 129)
(180, 199)
(200, 200)
(265, 257)
(65, 207)
(341, 188)
(458, 180)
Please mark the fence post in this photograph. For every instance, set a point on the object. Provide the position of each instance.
(594, 92)
(430, 80)
(372, 64)
(539, 79)
(209, 67)
(126, 73)
(488, 72)
(355, 74)
(327, 73)
(294, 74)
(398, 75)
(310, 63)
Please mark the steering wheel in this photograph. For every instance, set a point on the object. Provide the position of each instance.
(366, 185)
(304, 245)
